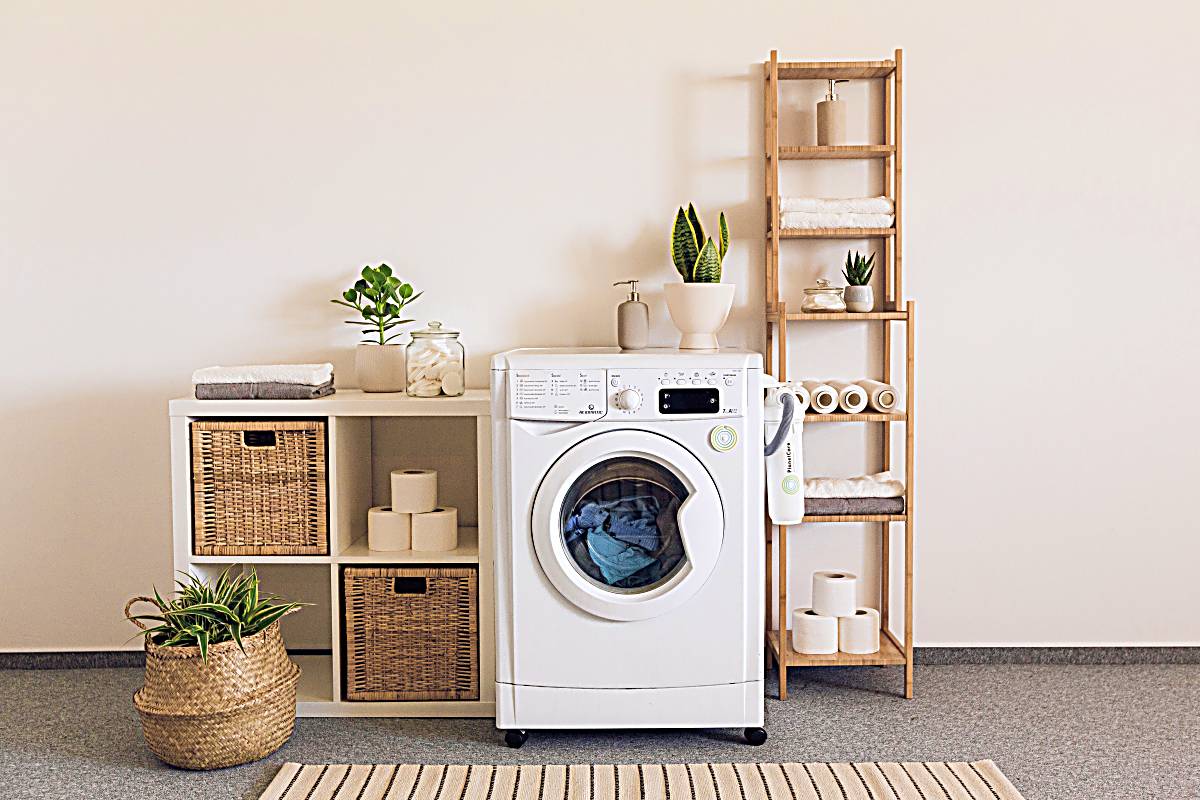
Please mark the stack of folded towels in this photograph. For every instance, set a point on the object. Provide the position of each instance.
(264, 382)
(880, 493)
(806, 213)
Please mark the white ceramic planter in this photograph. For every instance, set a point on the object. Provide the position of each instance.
(698, 311)
(859, 299)
(380, 367)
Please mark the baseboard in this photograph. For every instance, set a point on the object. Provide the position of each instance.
(96, 659)
(949, 656)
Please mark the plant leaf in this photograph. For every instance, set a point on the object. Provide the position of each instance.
(694, 221)
(708, 264)
(683, 245)
(724, 240)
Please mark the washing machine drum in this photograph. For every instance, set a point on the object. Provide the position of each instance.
(628, 525)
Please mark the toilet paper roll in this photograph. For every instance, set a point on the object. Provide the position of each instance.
(859, 633)
(414, 491)
(388, 529)
(834, 594)
(822, 398)
(802, 398)
(436, 530)
(880, 396)
(813, 634)
(852, 398)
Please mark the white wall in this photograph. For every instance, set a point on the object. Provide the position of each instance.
(184, 185)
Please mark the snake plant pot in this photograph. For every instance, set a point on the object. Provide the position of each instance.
(859, 299)
(380, 367)
(698, 311)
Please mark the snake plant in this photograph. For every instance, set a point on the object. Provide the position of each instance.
(697, 259)
(858, 269)
(202, 615)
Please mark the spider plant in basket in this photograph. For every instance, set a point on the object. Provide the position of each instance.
(220, 689)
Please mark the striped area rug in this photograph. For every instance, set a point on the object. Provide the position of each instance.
(910, 780)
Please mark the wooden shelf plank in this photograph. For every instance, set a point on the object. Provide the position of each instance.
(868, 416)
(888, 654)
(824, 70)
(854, 518)
(826, 316)
(832, 233)
(342, 403)
(836, 151)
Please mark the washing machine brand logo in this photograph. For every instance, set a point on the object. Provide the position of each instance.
(791, 484)
(591, 409)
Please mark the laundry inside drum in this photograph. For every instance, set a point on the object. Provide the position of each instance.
(620, 524)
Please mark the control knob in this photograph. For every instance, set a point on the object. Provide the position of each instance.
(629, 399)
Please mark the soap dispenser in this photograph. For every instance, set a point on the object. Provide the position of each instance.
(831, 116)
(633, 320)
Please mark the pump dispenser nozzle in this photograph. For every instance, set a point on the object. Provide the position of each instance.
(633, 292)
(833, 82)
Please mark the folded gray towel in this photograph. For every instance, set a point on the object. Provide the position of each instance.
(841, 506)
(262, 391)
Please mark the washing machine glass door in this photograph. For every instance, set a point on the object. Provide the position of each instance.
(628, 525)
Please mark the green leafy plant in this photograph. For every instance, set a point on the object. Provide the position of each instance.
(378, 297)
(697, 259)
(202, 615)
(858, 269)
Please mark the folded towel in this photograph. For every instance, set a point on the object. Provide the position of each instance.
(837, 205)
(262, 391)
(306, 374)
(881, 484)
(804, 220)
(838, 506)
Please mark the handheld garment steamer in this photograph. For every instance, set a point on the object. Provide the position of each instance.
(785, 464)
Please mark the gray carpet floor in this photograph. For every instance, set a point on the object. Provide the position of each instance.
(1057, 731)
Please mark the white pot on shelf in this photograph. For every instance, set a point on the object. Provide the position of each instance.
(380, 367)
(698, 311)
(859, 299)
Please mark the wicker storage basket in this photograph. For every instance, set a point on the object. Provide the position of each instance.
(258, 488)
(411, 633)
(239, 707)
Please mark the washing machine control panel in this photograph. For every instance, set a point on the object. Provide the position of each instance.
(584, 394)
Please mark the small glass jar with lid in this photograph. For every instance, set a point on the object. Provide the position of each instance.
(823, 298)
(436, 363)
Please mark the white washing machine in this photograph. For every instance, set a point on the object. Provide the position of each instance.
(629, 544)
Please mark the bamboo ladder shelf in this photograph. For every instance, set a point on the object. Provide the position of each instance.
(892, 309)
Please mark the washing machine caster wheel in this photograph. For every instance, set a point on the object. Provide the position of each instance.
(515, 739)
(755, 736)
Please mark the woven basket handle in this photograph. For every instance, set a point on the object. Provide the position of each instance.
(129, 605)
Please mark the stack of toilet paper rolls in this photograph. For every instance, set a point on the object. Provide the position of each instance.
(414, 520)
(852, 397)
(835, 622)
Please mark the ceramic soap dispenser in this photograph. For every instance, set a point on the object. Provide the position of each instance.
(633, 320)
(831, 116)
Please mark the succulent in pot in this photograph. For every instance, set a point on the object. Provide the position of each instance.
(700, 304)
(859, 296)
(379, 298)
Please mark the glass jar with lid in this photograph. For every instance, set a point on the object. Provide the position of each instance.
(823, 298)
(436, 363)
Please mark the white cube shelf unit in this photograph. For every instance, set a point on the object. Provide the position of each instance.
(367, 436)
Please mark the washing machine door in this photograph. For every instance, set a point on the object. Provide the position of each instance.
(628, 525)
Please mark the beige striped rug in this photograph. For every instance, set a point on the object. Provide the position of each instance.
(910, 780)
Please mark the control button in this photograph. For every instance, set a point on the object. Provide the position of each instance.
(615, 382)
(729, 381)
(722, 438)
(696, 381)
(628, 400)
(711, 381)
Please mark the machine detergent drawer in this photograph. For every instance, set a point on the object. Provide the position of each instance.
(411, 633)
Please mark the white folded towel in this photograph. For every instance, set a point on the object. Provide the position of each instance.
(804, 220)
(305, 374)
(838, 205)
(881, 484)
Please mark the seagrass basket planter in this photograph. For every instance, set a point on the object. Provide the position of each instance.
(236, 708)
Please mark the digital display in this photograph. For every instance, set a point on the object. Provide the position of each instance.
(689, 401)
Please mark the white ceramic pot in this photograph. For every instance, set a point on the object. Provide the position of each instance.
(380, 367)
(859, 299)
(698, 311)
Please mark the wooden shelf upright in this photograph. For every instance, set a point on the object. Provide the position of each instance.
(892, 308)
